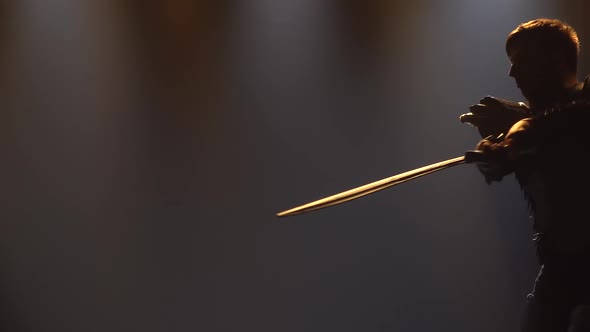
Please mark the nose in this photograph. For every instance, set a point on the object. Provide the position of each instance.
(511, 71)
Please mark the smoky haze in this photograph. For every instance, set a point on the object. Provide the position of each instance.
(148, 145)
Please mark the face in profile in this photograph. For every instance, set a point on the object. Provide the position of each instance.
(536, 73)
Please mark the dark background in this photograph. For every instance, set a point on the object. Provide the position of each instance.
(146, 147)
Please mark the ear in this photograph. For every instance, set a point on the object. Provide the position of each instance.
(556, 61)
(559, 58)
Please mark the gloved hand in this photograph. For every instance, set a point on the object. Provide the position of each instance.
(496, 162)
(494, 116)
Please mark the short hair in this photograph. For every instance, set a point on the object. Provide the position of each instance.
(547, 34)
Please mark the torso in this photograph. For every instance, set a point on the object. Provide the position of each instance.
(556, 179)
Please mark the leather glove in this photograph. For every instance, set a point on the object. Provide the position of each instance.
(496, 162)
(494, 116)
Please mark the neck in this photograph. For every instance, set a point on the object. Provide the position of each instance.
(554, 95)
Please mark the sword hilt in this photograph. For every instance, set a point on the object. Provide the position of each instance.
(476, 157)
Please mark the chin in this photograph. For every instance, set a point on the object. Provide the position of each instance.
(531, 92)
(527, 95)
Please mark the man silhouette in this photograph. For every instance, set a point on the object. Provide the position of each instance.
(543, 142)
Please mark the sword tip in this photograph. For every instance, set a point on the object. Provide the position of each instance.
(285, 213)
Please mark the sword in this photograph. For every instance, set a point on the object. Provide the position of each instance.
(373, 187)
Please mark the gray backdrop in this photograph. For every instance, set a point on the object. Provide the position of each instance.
(147, 145)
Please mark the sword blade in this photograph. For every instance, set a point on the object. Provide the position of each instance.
(373, 187)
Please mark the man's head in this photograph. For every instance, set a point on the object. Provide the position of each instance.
(544, 54)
